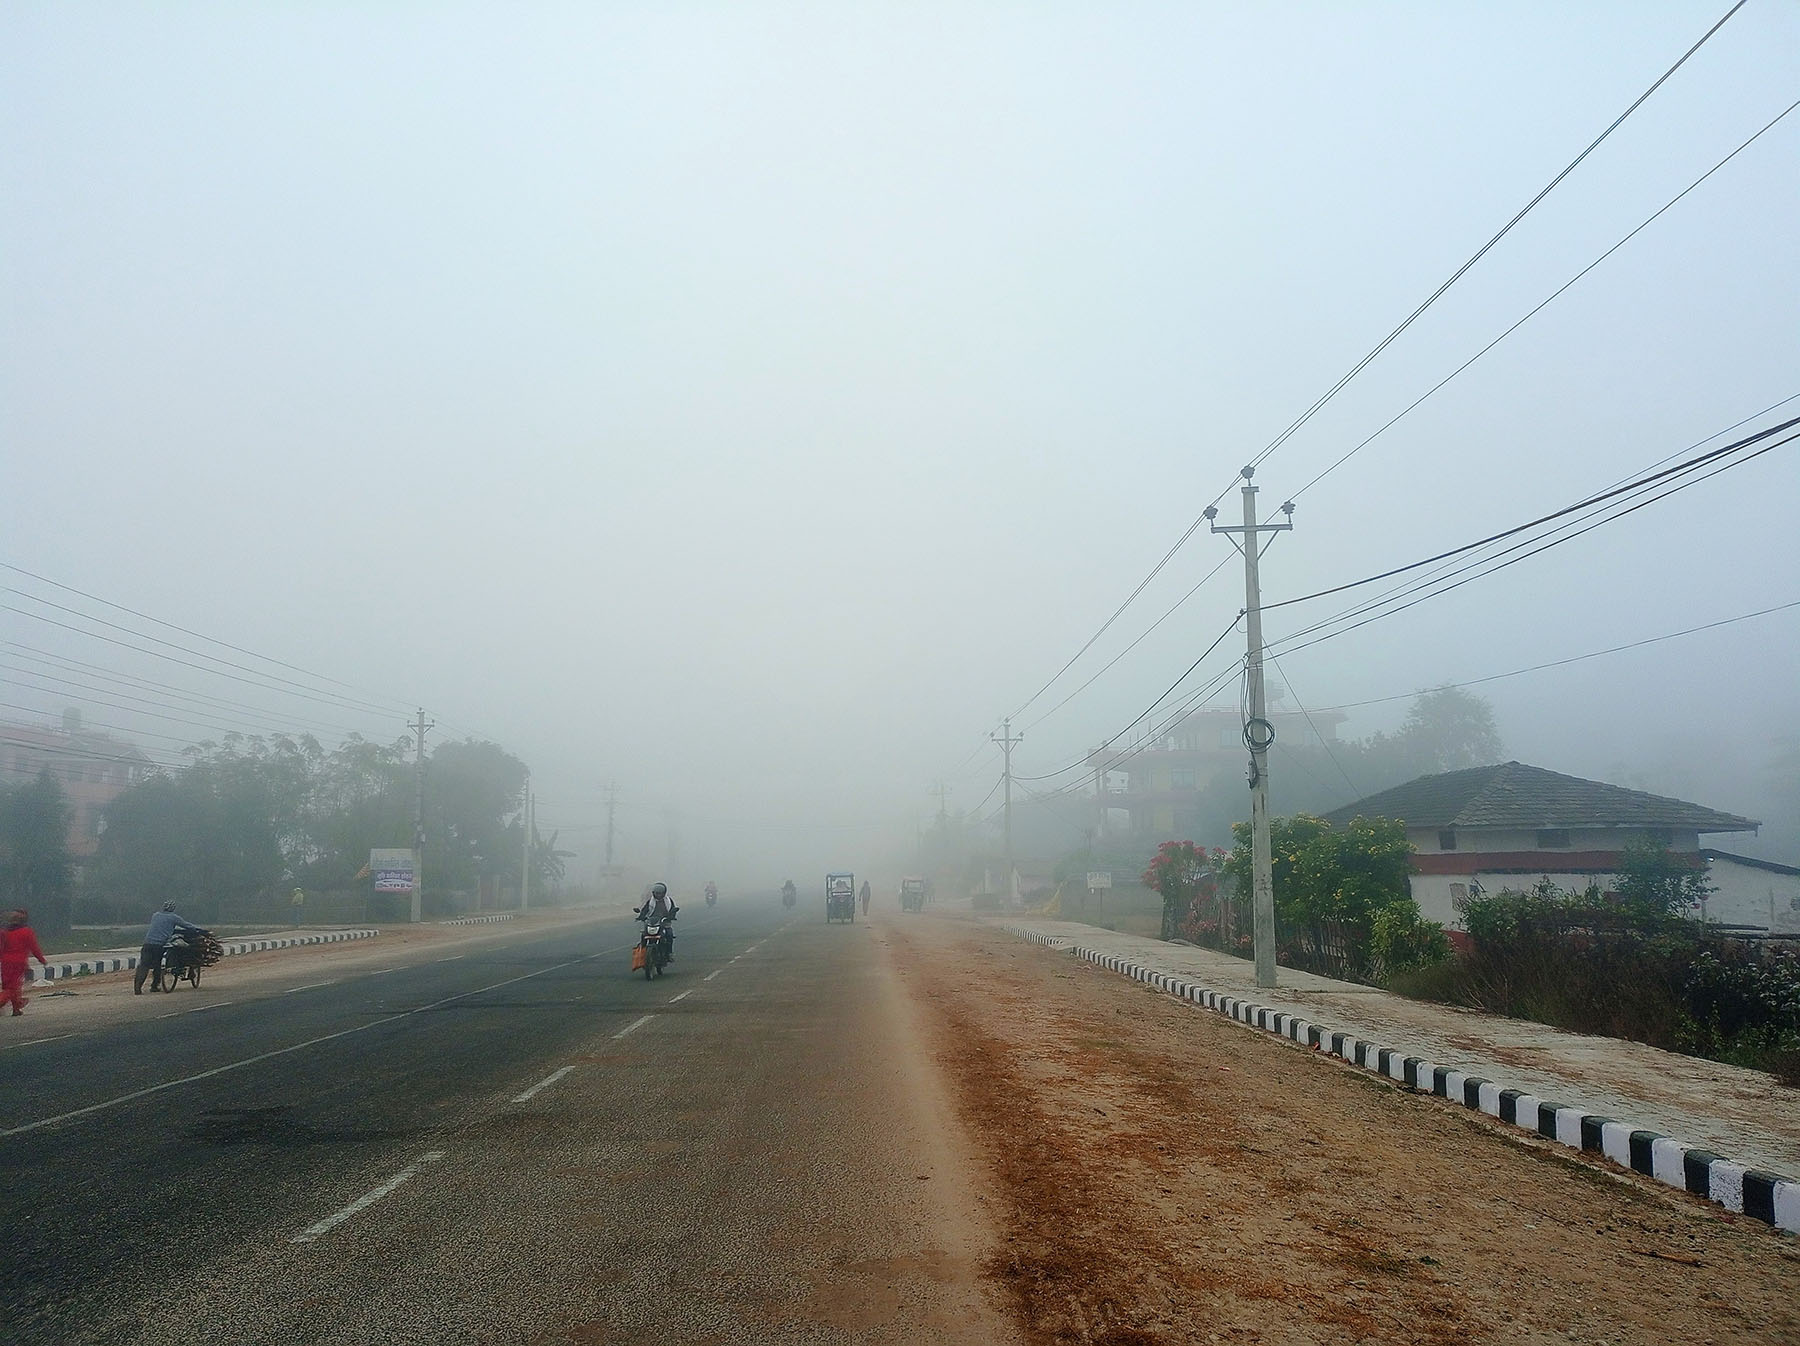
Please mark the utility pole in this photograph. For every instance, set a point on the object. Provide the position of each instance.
(612, 803)
(942, 792)
(1259, 734)
(525, 873)
(1006, 740)
(419, 726)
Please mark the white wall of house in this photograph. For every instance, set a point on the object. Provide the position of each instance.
(1748, 894)
(1436, 894)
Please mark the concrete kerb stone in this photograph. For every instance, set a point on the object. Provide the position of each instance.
(1769, 1197)
(63, 969)
(480, 920)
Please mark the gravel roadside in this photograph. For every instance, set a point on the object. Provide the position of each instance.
(1162, 1176)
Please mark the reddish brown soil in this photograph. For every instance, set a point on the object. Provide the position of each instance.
(1161, 1175)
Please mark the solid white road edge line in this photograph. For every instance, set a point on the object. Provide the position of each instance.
(543, 1084)
(295, 1047)
(367, 1199)
(633, 1027)
(683, 996)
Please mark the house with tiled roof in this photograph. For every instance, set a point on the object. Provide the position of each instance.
(1506, 826)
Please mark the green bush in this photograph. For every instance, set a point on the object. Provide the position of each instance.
(1401, 939)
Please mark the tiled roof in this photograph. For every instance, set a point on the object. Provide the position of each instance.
(1513, 794)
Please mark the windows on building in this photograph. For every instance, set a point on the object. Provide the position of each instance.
(1181, 778)
(1446, 838)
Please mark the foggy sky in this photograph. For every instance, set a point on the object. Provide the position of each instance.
(752, 404)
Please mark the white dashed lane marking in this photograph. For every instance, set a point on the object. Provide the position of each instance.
(633, 1027)
(543, 1084)
(683, 996)
(367, 1199)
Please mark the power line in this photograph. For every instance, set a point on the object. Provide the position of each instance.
(1577, 658)
(1555, 542)
(1323, 741)
(1628, 488)
(1170, 612)
(1148, 710)
(337, 703)
(1362, 364)
(211, 640)
(1554, 295)
(81, 668)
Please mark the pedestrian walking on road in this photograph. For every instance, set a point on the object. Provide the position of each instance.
(18, 946)
(865, 897)
(163, 926)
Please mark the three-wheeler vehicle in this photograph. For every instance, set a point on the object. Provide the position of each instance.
(912, 894)
(840, 897)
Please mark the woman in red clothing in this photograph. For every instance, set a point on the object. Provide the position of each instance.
(18, 946)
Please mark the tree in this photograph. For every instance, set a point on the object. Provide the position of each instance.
(35, 869)
(1448, 729)
(1656, 885)
(1331, 876)
(1181, 872)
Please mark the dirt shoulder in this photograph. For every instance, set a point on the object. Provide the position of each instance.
(1161, 1175)
(99, 999)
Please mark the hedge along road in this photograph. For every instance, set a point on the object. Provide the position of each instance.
(527, 1143)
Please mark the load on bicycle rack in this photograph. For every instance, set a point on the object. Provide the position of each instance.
(183, 957)
(840, 898)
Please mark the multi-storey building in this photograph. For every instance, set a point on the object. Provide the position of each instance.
(1151, 788)
(92, 768)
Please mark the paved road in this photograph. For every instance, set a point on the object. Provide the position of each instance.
(524, 1143)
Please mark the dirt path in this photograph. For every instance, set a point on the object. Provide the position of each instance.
(1163, 1176)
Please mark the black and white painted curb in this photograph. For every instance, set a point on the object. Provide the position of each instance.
(481, 920)
(62, 971)
(1743, 1190)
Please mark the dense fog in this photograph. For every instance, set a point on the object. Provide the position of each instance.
(750, 406)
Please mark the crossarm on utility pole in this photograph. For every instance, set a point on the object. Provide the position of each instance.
(1259, 734)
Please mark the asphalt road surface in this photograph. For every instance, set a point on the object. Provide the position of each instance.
(521, 1143)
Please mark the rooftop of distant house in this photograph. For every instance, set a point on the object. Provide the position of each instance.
(1515, 795)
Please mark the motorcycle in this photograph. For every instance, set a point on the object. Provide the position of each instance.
(652, 951)
(712, 896)
(788, 895)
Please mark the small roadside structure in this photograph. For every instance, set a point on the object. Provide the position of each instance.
(1506, 826)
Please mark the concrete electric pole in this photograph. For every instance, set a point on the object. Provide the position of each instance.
(612, 804)
(1259, 734)
(525, 873)
(942, 792)
(1006, 740)
(419, 727)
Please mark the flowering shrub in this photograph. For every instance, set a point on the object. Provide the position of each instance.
(1183, 873)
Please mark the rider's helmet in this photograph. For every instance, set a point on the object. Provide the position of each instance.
(659, 890)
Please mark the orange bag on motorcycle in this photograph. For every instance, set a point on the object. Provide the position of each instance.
(638, 956)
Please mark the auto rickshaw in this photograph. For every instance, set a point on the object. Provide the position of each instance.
(840, 897)
(912, 894)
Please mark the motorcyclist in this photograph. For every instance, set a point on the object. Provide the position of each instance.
(712, 892)
(659, 910)
(789, 893)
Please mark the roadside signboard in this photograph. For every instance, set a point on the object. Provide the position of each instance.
(393, 870)
(1098, 879)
